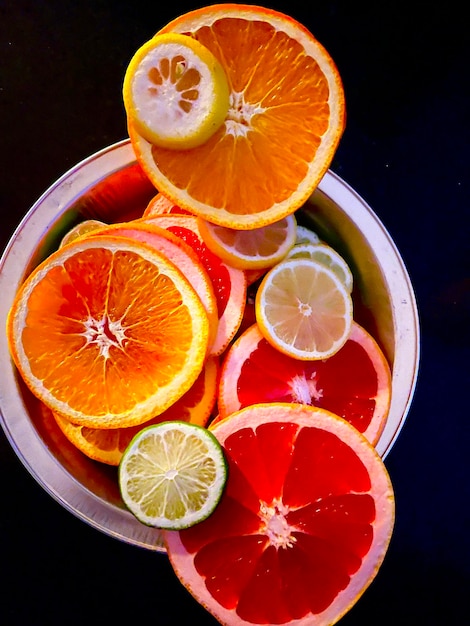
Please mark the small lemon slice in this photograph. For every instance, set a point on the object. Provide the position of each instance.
(175, 92)
(172, 475)
(303, 309)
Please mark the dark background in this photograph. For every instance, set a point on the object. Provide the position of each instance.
(405, 150)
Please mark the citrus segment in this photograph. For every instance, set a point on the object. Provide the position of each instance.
(355, 383)
(172, 475)
(302, 527)
(303, 309)
(326, 255)
(284, 123)
(107, 332)
(107, 445)
(230, 285)
(175, 92)
(179, 253)
(250, 249)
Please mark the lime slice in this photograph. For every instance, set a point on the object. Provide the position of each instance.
(175, 92)
(172, 475)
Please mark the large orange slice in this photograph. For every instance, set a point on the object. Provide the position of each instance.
(303, 525)
(107, 332)
(230, 283)
(108, 444)
(355, 383)
(284, 123)
(179, 253)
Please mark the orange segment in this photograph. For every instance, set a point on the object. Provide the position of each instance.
(355, 383)
(107, 332)
(302, 527)
(179, 253)
(285, 120)
(108, 444)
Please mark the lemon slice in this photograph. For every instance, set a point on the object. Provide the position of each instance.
(250, 249)
(325, 254)
(303, 309)
(305, 235)
(172, 475)
(175, 92)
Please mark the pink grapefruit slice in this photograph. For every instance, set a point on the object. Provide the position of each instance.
(354, 383)
(302, 527)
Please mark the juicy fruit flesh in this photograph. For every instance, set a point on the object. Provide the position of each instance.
(73, 308)
(292, 527)
(313, 382)
(172, 475)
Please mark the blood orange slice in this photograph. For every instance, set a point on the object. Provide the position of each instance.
(303, 525)
(355, 383)
(230, 284)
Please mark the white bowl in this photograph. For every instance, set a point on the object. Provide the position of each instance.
(110, 186)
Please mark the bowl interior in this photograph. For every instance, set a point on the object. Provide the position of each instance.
(110, 186)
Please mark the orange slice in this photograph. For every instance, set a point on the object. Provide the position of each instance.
(107, 332)
(355, 383)
(107, 445)
(250, 249)
(175, 92)
(284, 123)
(302, 527)
(179, 253)
(230, 285)
(303, 309)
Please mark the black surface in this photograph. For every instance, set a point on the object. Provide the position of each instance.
(405, 150)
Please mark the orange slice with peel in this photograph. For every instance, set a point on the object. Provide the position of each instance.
(303, 309)
(250, 249)
(107, 332)
(230, 284)
(107, 445)
(175, 92)
(284, 123)
(302, 527)
(355, 383)
(179, 253)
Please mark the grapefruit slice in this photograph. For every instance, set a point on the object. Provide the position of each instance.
(302, 527)
(230, 284)
(355, 383)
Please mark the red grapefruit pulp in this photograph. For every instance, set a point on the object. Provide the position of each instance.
(302, 527)
(354, 383)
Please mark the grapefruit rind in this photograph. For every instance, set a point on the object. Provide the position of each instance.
(381, 490)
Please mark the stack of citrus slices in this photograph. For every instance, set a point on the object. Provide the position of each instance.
(208, 348)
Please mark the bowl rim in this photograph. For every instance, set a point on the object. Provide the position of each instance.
(19, 429)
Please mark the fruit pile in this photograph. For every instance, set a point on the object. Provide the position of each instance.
(209, 348)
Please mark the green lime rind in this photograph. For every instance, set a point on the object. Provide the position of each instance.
(172, 475)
